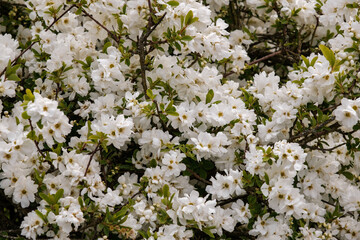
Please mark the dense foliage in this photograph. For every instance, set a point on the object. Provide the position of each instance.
(186, 119)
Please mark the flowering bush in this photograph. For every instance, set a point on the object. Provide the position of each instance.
(186, 119)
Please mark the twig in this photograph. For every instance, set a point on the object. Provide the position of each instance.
(101, 25)
(304, 133)
(316, 134)
(324, 149)
(8, 237)
(332, 204)
(36, 142)
(91, 157)
(198, 177)
(158, 114)
(228, 74)
(266, 57)
(32, 44)
(313, 35)
(12, 3)
(226, 201)
(141, 47)
(194, 61)
(292, 127)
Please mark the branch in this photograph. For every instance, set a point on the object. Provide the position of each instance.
(91, 157)
(36, 142)
(324, 149)
(266, 57)
(12, 3)
(158, 114)
(150, 27)
(226, 201)
(32, 44)
(113, 36)
(304, 133)
(198, 177)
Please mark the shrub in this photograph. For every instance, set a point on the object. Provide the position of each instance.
(157, 119)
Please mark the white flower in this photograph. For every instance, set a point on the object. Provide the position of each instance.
(172, 163)
(32, 225)
(42, 108)
(346, 114)
(24, 191)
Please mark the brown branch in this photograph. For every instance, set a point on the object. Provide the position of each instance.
(315, 134)
(266, 57)
(194, 61)
(141, 48)
(230, 200)
(113, 36)
(310, 131)
(91, 157)
(8, 237)
(12, 3)
(324, 149)
(313, 35)
(198, 177)
(332, 204)
(36, 142)
(158, 114)
(32, 44)
(228, 74)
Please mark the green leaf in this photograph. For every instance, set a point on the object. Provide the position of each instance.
(166, 191)
(306, 61)
(267, 180)
(348, 175)
(177, 46)
(313, 61)
(120, 213)
(186, 38)
(208, 232)
(47, 198)
(172, 113)
(58, 194)
(328, 54)
(14, 77)
(31, 135)
(42, 216)
(173, 3)
(24, 115)
(150, 94)
(30, 95)
(189, 18)
(209, 96)
(106, 46)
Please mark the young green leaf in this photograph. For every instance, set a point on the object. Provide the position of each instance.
(328, 54)
(189, 18)
(209, 96)
(173, 3)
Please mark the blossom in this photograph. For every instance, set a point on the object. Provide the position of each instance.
(24, 191)
(346, 114)
(32, 225)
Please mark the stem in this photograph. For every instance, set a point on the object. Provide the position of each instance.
(226, 201)
(198, 177)
(325, 149)
(266, 57)
(158, 114)
(101, 25)
(36, 142)
(91, 157)
(311, 131)
(142, 42)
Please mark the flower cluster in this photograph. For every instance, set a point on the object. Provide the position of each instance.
(186, 119)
